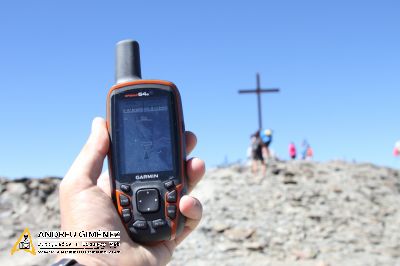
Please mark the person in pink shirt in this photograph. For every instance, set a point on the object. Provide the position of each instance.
(310, 153)
(396, 150)
(292, 150)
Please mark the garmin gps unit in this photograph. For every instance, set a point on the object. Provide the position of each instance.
(147, 153)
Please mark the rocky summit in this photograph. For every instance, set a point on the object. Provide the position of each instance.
(300, 213)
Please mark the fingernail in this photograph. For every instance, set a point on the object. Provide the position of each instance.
(194, 202)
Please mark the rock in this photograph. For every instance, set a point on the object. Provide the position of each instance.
(306, 253)
(255, 246)
(289, 174)
(6, 233)
(227, 246)
(289, 180)
(34, 184)
(276, 171)
(322, 263)
(220, 227)
(16, 188)
(238, 234)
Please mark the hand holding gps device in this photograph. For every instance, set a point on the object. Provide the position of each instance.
(147, 153)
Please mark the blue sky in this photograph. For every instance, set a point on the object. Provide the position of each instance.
(337, 64)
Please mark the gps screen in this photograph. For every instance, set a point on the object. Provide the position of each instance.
(144, 135)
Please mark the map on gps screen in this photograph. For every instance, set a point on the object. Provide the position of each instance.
(145, 137)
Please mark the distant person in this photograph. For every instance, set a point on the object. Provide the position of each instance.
(396, 150)
(304, 149)
(266, 137)
(292, 151)
(310, 153)
(257, 154)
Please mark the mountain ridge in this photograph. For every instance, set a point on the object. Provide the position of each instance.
(300, 213)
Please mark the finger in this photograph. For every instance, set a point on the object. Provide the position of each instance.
(192, 209)
(191, 141)
(104, 183)
(87, 167)
(195, 168)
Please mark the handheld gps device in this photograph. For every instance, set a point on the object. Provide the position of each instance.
(147, 153)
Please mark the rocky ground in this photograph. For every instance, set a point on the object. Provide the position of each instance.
(27, 203)
(302, 213)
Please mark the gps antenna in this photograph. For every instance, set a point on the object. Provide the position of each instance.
(127, 64)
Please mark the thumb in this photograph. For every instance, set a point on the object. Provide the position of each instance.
(87, 167)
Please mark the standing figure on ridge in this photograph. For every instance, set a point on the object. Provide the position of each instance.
(292, 151)
(304, 149)
(307, 152)
(310, 153)
(257, 154)
(396, 150)
(266, 137)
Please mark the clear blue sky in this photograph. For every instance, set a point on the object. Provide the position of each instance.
(337, 63)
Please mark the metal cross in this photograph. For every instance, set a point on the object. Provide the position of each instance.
(258, 91)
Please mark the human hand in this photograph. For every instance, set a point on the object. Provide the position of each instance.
(86, 204)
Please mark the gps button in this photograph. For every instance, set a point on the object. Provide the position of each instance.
(171, 196)
(126, 215)
(140, 224)
(125, 188)
(169, 184)
(158, 223)
(171, 211)
(147, 200)
(123, 200)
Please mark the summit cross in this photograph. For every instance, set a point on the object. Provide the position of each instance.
(258, 91)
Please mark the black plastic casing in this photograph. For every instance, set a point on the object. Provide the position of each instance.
(174, 226)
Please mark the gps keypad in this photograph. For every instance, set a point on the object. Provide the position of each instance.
(148, 200)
